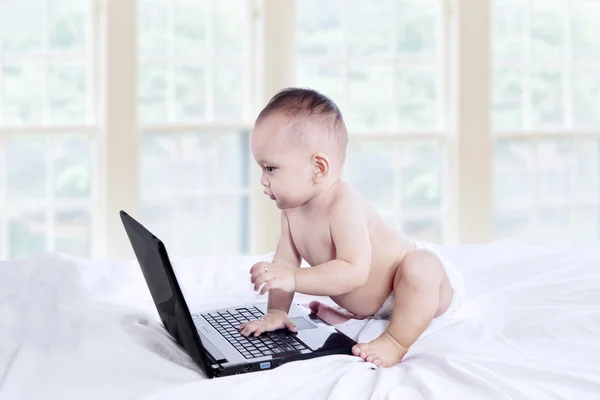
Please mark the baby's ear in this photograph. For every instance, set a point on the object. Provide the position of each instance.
(320, 166)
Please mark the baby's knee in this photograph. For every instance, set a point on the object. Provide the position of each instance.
(421, 267)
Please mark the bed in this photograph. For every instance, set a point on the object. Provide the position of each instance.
(74, 328)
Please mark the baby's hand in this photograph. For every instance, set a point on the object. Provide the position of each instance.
(272, 320)
(274, 275)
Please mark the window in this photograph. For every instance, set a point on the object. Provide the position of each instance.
(194, 110)
(147, 105)
(545, 118)
(48, 127)
(384, 67)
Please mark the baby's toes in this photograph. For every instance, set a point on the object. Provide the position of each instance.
(356, 350)
(361, 350)
(378, 362)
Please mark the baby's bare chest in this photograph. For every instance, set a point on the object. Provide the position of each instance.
(313, 240)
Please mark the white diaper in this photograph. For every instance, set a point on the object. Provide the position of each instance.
(456, 280)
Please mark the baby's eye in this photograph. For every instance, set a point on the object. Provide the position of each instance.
(270, 169)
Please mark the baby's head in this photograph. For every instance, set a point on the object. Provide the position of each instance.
(299, 140)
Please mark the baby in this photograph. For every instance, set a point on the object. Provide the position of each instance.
(366, 267)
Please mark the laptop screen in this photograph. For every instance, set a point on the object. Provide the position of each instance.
(160, 278)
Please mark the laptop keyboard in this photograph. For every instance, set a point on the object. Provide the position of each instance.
(267, 344)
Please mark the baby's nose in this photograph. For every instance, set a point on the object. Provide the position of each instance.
(264, 181)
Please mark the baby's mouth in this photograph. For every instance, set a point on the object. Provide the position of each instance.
(270, 195)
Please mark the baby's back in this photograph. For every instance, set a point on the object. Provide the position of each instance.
(311, 234)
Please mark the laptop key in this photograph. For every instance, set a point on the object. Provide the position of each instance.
(287, 347)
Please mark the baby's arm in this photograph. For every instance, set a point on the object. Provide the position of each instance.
(280, 301)
(350, 270)
(286, 253)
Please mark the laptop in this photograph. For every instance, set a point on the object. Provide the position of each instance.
(212, 338)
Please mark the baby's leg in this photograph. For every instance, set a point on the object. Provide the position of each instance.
(422, 291)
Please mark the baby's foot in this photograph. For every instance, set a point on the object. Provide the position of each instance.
(329, 314)
(385, 351)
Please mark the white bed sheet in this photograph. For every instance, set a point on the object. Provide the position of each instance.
(530, 329)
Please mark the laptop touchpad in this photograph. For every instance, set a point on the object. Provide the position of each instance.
(302, 323)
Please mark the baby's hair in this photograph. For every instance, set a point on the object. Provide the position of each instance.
(301, 105)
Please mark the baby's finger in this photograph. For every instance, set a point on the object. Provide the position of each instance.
(256, 274)
(268, 286)
(248, 330)
(290, 325)
(258, 331)
(259, 265)
(243, 325)
(262, 279)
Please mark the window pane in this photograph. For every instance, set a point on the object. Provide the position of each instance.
(26, 233)
(508, 18)
(403, 181)
(26, 167)
(587, 157)
(153, 93)
(586, 102)
(319, 29)
(586, 37)
(73, 230)
(370, 28)
(513, 175)
(547, 31)
(325, 77)
(547, 100)
(22, 93)
(548, 185)
(583, 222)
(551, 223)
(370, 99)
(375, 182)
(68, 24)
(417, 24)
(190, 28)
(72, 168)
(228, 94)
(417, 94)
(193, 162)
(25, 21)
(426, 229)
(512, 224)
(159, 218)
(422, 168)
(192, 61)
(553, 171)
(39, 87)
(507, 99)
(195, 189)
(190, 93)
(230, 22)
(67, 91)
(362, 57)
(158, 171)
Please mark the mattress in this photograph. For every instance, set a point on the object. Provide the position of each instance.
(74, 328)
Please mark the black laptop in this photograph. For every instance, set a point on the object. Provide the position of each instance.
(212, 338)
